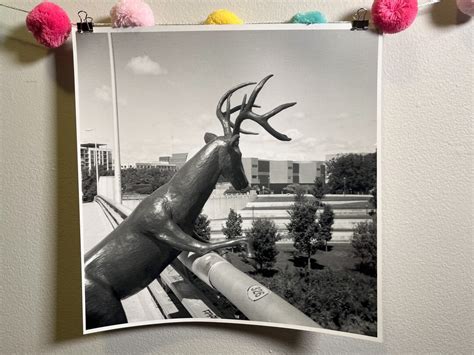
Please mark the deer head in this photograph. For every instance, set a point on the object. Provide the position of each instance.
(230, 157)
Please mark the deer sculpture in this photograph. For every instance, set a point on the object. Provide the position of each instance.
(161, 226)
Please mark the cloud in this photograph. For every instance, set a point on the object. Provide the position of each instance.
(144, 65)
(301, 147)
(104, 93)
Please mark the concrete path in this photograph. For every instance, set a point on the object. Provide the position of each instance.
(95, 225)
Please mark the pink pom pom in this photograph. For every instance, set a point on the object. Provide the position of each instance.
(466, 7)
(49, 24)
(393, 16)
(132, 13)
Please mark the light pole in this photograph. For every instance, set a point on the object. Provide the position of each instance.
(113, 85)
(96, 161)
(344, 191)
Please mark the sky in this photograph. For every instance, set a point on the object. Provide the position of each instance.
(168, 85)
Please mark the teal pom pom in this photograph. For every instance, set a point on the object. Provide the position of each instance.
(309, 17)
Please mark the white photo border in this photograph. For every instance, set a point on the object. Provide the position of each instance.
(255, 27)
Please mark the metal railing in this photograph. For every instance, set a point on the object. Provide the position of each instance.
(254, 300)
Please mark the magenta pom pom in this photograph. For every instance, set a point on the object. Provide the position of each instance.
(392, 16)
(49, 24)
(132, 13)
(466, 7)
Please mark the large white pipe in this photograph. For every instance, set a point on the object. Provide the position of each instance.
(257, 302)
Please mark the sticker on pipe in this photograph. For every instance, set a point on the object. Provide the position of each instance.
(256, 292)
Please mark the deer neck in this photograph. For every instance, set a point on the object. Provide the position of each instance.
(194, 182)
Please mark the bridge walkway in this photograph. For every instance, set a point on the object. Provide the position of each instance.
(172, 297)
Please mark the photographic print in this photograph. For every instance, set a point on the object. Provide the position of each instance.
(229, 174)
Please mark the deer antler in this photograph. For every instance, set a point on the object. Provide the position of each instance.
(262, 120)
(224, 117)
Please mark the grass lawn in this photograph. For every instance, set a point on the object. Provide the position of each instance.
(338, 257)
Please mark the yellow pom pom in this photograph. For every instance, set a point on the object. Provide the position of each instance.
(223, 17)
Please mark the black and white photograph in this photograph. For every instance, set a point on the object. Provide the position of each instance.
(230, 174)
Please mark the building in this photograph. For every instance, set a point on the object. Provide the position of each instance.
(251, 170)
(162, 166)
(308, 171)
(278, 174)
(90, 152)
(127, 166)
(177, 159)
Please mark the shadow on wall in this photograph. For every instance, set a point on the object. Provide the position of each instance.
(446, 13)
(206, 336)
(67, 308)
(22, 44)
(68, 270)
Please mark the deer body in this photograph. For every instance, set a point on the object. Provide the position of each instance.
(161, 226)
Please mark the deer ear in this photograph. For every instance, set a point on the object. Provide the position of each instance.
(209, 137)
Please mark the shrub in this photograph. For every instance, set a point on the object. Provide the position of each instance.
(319, 188)
(201, 228)
(364, 242)
(233, 226)
(338, 300)
(262, 237)
(232, 191)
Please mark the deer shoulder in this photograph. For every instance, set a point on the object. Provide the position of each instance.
(152, 215)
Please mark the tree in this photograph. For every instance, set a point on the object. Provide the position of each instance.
(144, 181)
(232, 191)
(364, 242)
(233, 226)
(201, 228)
(352, 173)
(293, 189)
(262, 237)
(89, 181)
(300, 193)
(326, 220)
(319, 188)
(303, 227)
(89, 188)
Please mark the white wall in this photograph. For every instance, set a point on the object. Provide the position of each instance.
(106, 187)
(219, 206)
(427, 202)
(307, 172)
(279, 172)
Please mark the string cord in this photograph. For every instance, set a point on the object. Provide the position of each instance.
(429, 2)
(14, 8)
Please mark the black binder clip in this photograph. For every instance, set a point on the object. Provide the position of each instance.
(86, 24)
(359, 22)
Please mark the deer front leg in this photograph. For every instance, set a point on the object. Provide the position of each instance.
(174, 236)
